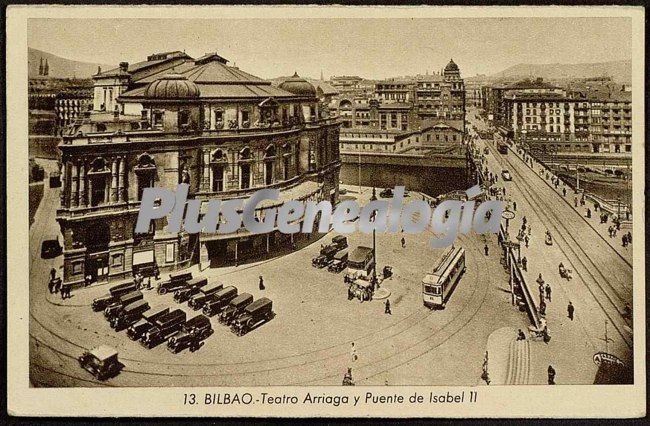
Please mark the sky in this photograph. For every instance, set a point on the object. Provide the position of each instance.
(370, 48)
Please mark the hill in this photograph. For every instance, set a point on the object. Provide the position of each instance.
(619, 71)
(62, 67)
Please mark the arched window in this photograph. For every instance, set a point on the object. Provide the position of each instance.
(145, 170)
(217, 169)
(269, 162)
(245, 168)
(98, 181)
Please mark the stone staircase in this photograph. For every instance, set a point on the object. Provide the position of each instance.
(518, 372)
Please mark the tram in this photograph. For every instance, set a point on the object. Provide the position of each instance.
(438, 286)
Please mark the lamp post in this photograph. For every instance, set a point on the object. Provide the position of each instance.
(374, 246)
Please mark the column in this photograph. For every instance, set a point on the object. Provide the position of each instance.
(73, 186)
(107, 190)
(64, 182)
(121, 189)
(82, 185)
(114, 180)
(206, 170)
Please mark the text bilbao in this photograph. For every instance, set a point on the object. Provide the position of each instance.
(446, 220)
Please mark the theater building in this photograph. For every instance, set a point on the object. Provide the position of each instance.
(203, 122)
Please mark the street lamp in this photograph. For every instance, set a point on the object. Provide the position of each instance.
(374, 246)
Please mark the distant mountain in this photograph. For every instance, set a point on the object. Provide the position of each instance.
(62, 67)
(619, 71)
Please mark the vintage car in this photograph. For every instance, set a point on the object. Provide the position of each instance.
(176, 281)
(340, 261)
(51, 247)
(101, 362)
(163, 328)
(114, 293)
(197, 301)
(191, 334)
(234, 308)
(191, 288)
(505, 174)
(255, 314)
(219, 300)
(325, 257)
(340, 242)
(136, 330)
(115, 308)
(129, 315)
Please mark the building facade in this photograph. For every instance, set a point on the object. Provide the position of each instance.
(223, 131)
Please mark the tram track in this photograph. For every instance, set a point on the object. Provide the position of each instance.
(411, 327)
(574, 252)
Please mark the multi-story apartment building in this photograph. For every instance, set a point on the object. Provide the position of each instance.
(221, 130)
(596, 121)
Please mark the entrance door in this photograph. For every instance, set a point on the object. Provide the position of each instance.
(216, 252)
(97, 267)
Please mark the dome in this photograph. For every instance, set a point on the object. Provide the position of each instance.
(298, 86)
(172, 86)
(451, 66)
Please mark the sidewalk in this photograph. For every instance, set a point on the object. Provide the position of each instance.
(594, 221)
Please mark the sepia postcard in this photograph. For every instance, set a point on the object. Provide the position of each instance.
(326, 211)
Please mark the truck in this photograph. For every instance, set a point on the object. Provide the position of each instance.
(129, 315)
(163, 328)
(191, 288)
(136, 330)
(176, 281)
(114, 309)
(100, 303)
(339, 262)
(219, 301)
(191, 335)
(234, 308)
(197, 301)
(254, 315)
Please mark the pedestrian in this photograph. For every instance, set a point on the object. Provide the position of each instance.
(88, 280)
(52, 274)
(524, 263)
(387, 310)
(551, 375)
(564, 192)
(487, 250)
(529, 229)
(521, 335)
(629, 237)
(57, 285)
(548, 291)
(347, 378)
(524, 220)
(540, 280)
(575, 202)
(262, 283)
(50, 285)
(588, 213)
(514, 205)
(570, 309)
(609, 231)
(65, 291)
(353, 352)
(624, 238)
(526, 239)
(403, 242)
(542, 308)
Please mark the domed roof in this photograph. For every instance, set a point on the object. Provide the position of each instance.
(451, 66)
(172, 86)
(298, 86)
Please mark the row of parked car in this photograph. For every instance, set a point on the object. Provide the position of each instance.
(334, 256)
(125, 308)
(238, 311)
